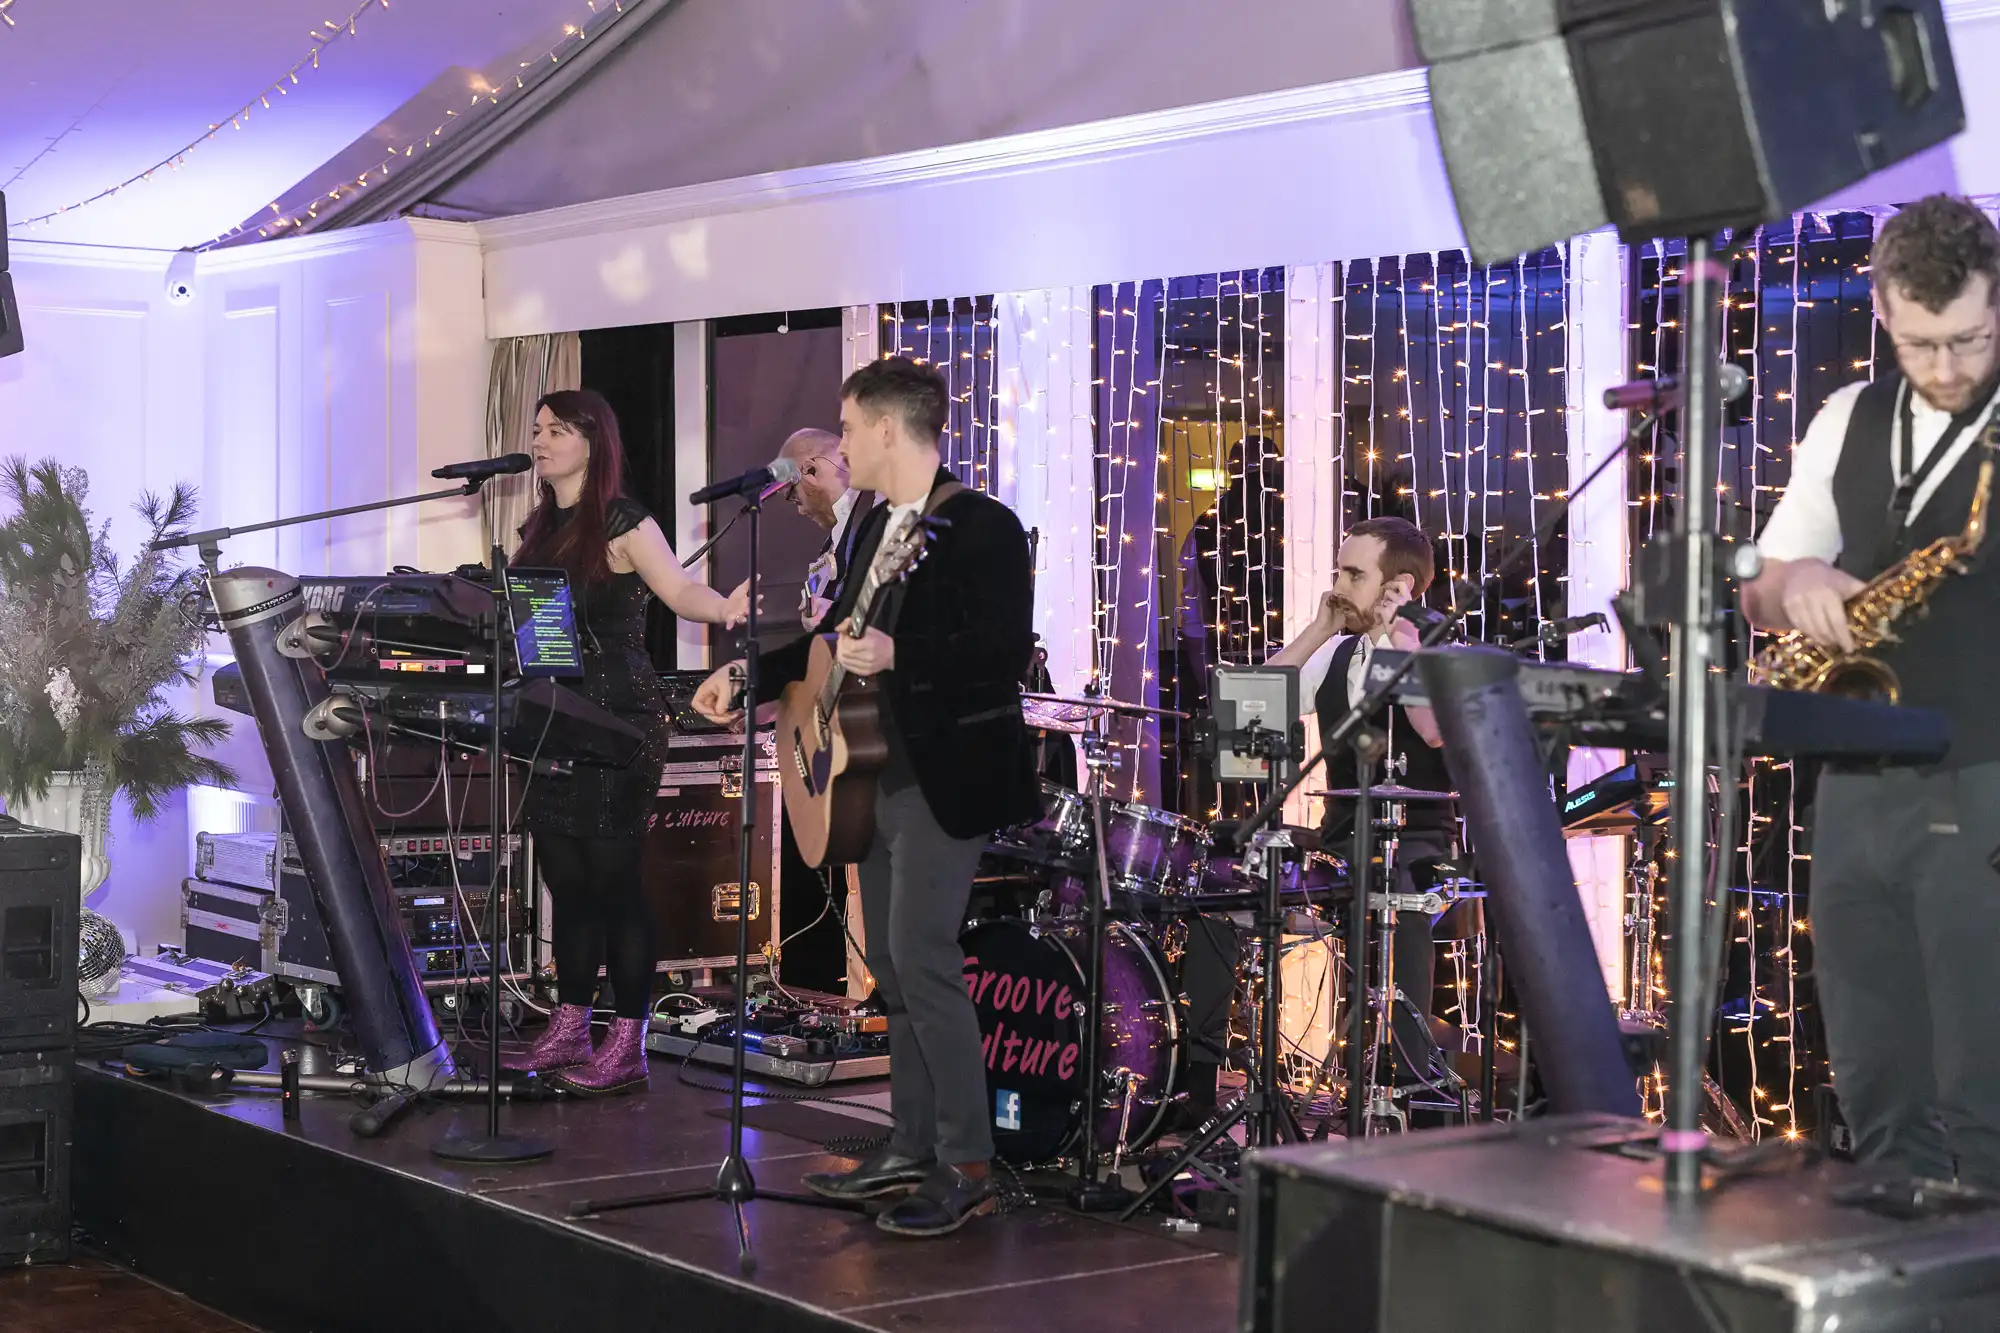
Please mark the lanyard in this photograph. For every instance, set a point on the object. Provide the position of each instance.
(1895, 532)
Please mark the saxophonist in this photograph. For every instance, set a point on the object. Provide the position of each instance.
(1905, 905)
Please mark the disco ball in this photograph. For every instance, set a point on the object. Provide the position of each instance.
(100, 955)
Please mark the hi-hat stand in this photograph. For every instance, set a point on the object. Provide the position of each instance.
(1090, 1192)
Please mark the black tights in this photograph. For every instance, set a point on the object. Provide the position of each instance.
(601, 916)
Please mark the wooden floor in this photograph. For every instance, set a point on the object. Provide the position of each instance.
(91, 1295)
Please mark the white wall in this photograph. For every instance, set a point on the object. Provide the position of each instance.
(111, 382)
(302, 375)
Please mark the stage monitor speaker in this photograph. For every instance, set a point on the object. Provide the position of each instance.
(40, 896)
(1673, 117)
(1559, 1225)
(10, 310)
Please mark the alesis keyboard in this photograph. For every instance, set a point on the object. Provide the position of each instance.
(1621, 710)
(540, 719)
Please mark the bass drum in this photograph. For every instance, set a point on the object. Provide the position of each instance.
(1028, 985)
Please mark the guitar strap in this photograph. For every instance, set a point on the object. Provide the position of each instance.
(893, 603)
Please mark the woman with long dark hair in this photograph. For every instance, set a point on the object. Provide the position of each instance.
(590, 826)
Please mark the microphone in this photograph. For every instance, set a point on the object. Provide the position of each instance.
(479, 469)
(1558, 629)
(1656, 395)
(780, 472)
(1419, 615)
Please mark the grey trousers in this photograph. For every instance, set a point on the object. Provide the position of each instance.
(915, 883)
(1906, 949)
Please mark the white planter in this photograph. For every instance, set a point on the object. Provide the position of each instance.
(74, 803)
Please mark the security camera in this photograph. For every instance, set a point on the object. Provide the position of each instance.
(180, 278)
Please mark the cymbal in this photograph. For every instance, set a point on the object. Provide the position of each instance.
(1105, 705)
(1049, 717)
(1390, 794)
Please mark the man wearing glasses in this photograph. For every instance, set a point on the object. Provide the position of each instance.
(1905, 900)
(822, 494)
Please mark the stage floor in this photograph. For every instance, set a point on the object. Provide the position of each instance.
(308, 1227)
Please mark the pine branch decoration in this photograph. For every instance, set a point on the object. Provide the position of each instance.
(90, 648)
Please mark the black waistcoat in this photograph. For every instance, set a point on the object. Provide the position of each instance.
(1422, 766)
(1945, 657)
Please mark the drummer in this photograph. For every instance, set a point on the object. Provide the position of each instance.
(1383, 564)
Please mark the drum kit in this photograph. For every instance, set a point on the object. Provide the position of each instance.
(1028, 956)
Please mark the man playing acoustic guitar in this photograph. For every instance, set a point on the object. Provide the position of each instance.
(948, 647)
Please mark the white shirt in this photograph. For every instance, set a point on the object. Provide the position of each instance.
(843, 509)
(819, 575)
(1806, 525)
(1313, 674)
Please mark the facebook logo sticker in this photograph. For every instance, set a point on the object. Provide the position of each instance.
(1007, 1110)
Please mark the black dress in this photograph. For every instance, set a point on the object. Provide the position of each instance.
(618, 674)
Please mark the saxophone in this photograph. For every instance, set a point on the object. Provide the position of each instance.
(1795, 662)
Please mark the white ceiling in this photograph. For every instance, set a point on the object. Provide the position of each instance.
(95, 91)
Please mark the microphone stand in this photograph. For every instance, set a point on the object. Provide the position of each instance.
(494, 1146)
(734, 1184)
(709, 545)
(210, 541)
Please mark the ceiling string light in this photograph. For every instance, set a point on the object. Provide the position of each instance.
(322, 37)
(281, 219)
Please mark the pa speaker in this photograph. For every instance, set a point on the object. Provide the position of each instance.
(1673, 117)
(41, 883)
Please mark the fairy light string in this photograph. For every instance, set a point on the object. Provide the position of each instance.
(326, 35)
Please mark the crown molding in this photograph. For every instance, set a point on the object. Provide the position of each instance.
(67, 254)
(319, 245)
(1402, 90)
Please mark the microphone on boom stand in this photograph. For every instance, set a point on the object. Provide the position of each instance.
(1559, 629)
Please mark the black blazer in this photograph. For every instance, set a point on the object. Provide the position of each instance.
(964, 630)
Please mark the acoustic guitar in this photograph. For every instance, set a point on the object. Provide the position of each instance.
(831, 747)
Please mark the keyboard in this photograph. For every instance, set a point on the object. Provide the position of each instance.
(1621, 710)
(441, 611)
(540, 719)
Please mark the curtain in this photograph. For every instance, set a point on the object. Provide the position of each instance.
(523, 370)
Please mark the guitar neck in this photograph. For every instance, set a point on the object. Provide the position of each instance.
(854, 628)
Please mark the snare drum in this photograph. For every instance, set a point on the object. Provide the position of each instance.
(1029, 985)
(1151, 851)
(1060, 838)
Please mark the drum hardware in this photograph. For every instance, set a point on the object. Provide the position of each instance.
(1262, 1107)
(1089, 1193)
(1130, 1082)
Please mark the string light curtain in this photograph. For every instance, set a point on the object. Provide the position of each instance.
(1453, 409)
(1800, 324)
(1219, 525)
(1130, 348)
(958, 336)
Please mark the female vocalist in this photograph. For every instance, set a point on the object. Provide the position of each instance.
(590, 827)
